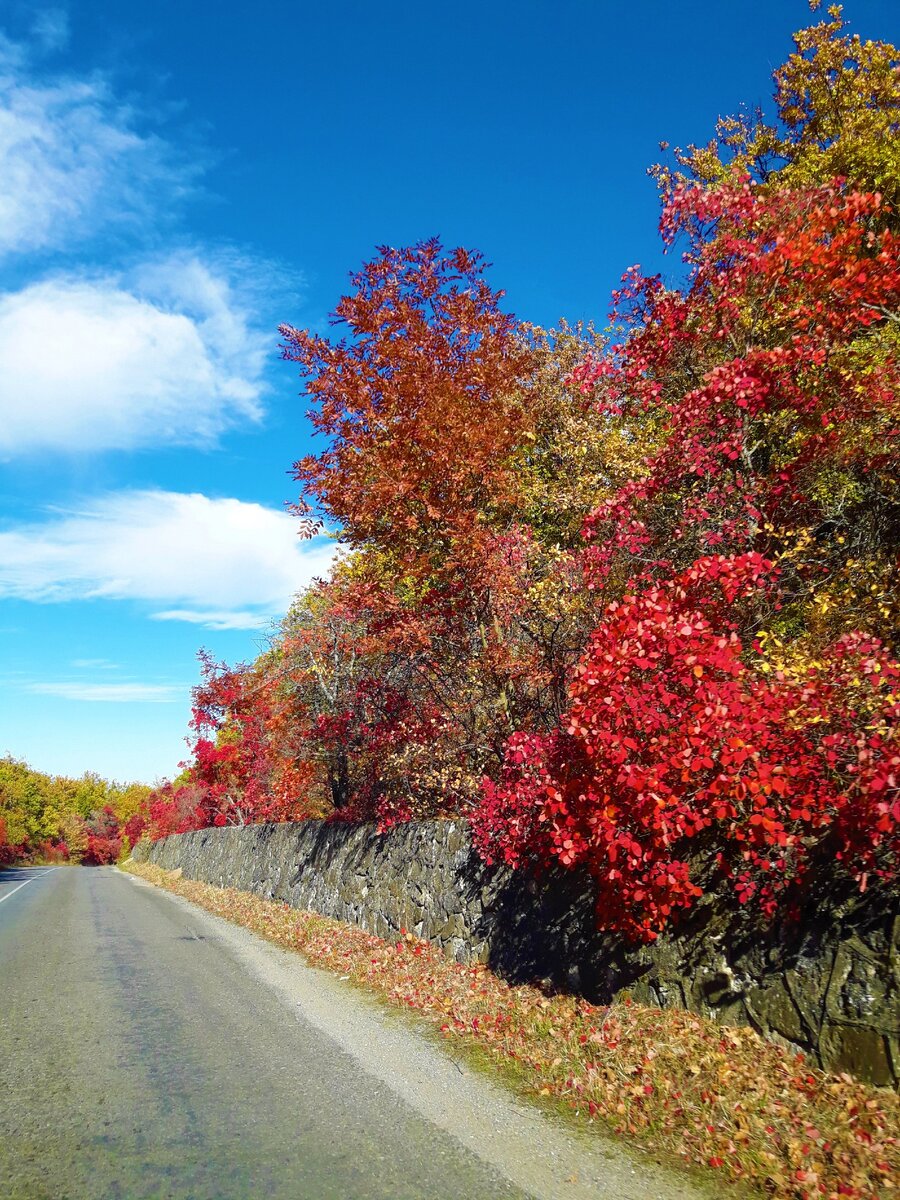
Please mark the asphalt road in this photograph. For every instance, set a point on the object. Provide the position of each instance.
(139, 1059)
(149, 1049)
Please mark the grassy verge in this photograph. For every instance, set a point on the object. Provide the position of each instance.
(717, 1097)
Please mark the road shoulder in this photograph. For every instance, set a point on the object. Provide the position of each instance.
(533, 1150)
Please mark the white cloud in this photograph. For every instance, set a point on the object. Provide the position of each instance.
(166, 353)
(222, 563)
(113, 693)
(93, 359)
(215, 619)
(73, 163)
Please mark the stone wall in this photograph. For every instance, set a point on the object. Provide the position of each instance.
(828, 984)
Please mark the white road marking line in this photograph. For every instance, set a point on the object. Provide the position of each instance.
(31, 880)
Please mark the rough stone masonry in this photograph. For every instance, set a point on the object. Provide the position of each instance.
(828, 983)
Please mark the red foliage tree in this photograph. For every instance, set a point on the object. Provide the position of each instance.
(779, 379)
(777, 374)
(6, 850)
(104, 840)
(236, 765)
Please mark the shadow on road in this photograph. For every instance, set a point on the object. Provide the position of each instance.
(20, 874)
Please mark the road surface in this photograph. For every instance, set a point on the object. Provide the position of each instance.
(148, 1049)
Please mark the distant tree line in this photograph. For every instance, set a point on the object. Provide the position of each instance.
(52, 818)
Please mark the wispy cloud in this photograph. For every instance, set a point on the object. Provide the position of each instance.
(75, 166)
(215, 619)
(50, 29)
(222, 563)
(168, 348)
(164, 353)
(113, 693)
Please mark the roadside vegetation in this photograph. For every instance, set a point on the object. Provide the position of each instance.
(51, 818)
(626, 601)
(721, 1099)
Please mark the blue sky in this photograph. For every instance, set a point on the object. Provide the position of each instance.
(176, 179)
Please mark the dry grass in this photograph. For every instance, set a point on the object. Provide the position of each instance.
(717, 1097)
